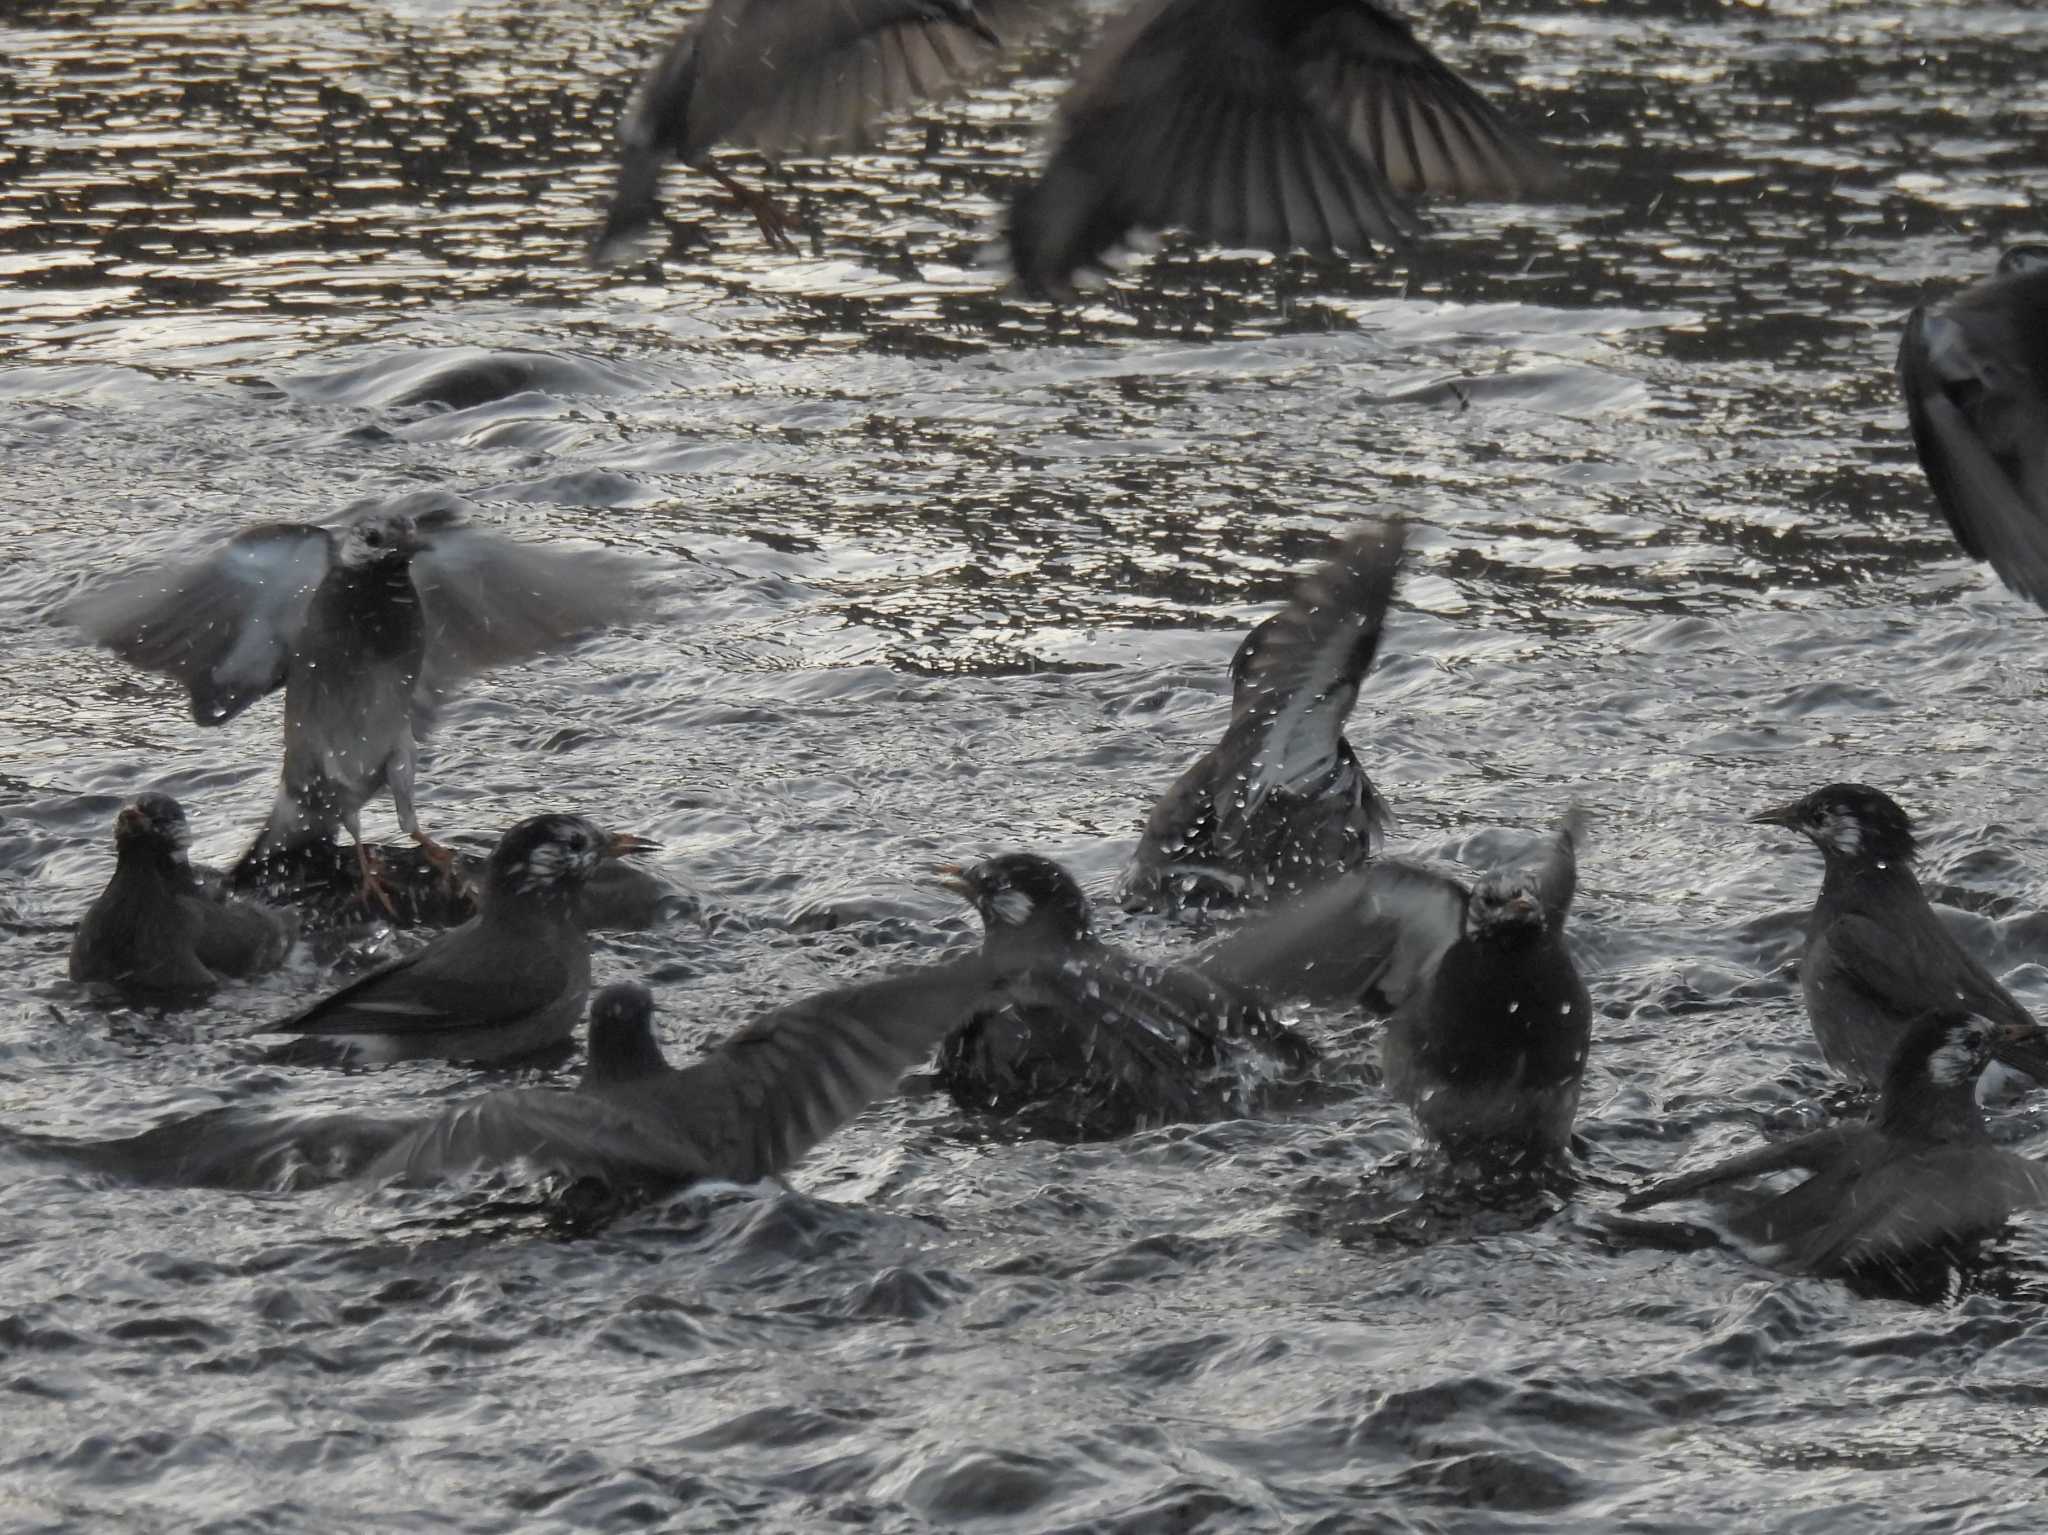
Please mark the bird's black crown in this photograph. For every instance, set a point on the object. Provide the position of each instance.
(1017, 890)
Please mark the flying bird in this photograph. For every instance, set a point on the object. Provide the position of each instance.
(368, 627)
(1310, 123)
(1281, 803)
(1919, 1179)
(510, 981)
(1974, 374)
(1878, 958)
(154, 931)
(788, 76)
(1490, 1022)
(1089, 1042)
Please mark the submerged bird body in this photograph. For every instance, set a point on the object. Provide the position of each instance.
(1919, 1180)
(1877, 956)
(1490, 1023)
(154, 932)
(784, 76)
(1281, 803)
(1089, 1042)
(510, 981)
(1265, 123)
(368, 628)
(1974, 374)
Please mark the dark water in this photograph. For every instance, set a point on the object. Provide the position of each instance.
(947, 572)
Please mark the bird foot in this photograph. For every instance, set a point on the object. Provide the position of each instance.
(443, 859)
(774, 223)
(374, 890)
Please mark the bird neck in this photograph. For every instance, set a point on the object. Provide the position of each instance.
(135, 859)
(1924, 1111)
(1840, 875)
(522, 906)
(632, 1059)
(1009, 946)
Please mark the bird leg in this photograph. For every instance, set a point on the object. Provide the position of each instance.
(775, 224)
(374, 887)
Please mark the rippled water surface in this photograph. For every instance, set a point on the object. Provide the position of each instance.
(944, 571)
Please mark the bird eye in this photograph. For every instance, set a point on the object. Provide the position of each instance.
(373, 538)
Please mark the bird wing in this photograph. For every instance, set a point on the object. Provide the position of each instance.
(1977, 400)
(1258, 125)
(749, 1109)
(541, 1132)
(224, 626)
(1854, 1216)
(762, 1099)
(1303, 679)
(1427, 131)
(1381, 930)
(488, 601)
(462, 979)
(813, 75)
(1812, 1152)
(1911, 969)
(1555, 863)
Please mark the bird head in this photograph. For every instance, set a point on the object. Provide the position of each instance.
(1505, 906)
(1848, 822)
(622, 1043)
(379, 538)
(1020, 895)
(554, 855)
(153, 823)
(1931, 1084)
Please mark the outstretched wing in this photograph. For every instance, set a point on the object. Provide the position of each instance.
(784, 76)
(1301, 678)
(749, 1109)
(1975, 381)
(771, 1092)
(224, 626)
(1261, 125)
(1812, 1153)
(817, 74)
(1554, 864)
(536, 1132)
(1379, 930)
(488, 601)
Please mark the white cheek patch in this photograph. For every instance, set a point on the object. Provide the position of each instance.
(1956, 1061)
(1012, 907)
(1841, 833)
(547, 862)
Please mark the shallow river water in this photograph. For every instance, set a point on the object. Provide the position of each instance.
(943, 571)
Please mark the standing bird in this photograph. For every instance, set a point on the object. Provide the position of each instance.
(1918, 1180)
(1270, 123)
(781, 76)
(1490, 1021)
(1877, 957)
(1281, 802)
(154, 932)
(508, 982)
(1089, 1042)
(1974, 374)
(749, 1109)
(367, 627)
